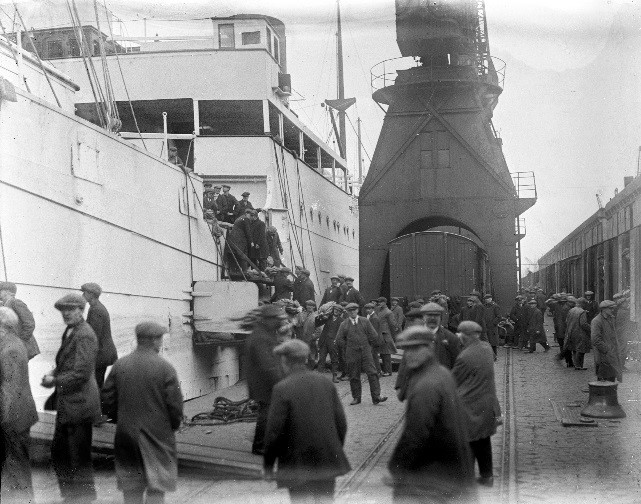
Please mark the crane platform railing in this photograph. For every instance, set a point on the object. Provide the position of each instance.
(525, 184)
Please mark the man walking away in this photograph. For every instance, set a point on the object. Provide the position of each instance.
(473, 372)
(77, 402)
(604, 342)
(492, 318)
(577, 338)
(432, 461)
(305, 431)
(98, 319)
(26, 323)
(330, 321)
(17, 413)
(142, 393)
(535, 328)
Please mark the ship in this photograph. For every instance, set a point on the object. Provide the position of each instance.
(88, 192)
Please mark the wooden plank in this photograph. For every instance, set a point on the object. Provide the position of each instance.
(570, 415)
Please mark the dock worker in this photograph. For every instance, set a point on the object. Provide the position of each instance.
(432, 461)
(274, 246)
(592, 307)
(227, 205)
(357, 336)
(243, 204)
(142, 394)
(535, 328)
(26, 322)
(17, 413)
(98, 319)
(473, 372)
(209, 199)
(77, 402)
(397, 310)
(306, 430)
(283, 286)
(333, 292)
(474, 311)
(330, 321)
(388, 334)
(263, 367)
(351, 294)
(577, 337)
(258, 250)
(303, 287)
(372, 316)
(492, 314)
(238, 243)
(605, 344)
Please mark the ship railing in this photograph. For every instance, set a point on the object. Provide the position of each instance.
(496, 72)
(519, 226)
(384, 73)
(525, 184)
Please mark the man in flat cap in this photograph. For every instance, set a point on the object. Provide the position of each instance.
(474, 311)
(604, 342)
(243, 204)
(238, 244)
(592, 306)
(352, 295)
(98, 319)
(330, 322)
(397, 311)
(333, 292)
(17, 413)
(535, 328)
(518, 316)
(492, 315)
(304, 287)
(227, 205)
(357, 336)
(77, 401)
(283, 286)
(306, 429)
(388, 333)
(209, 200)
(142, 394)
(263, 367)
(432, 461)
(26, 323)
(274, 246)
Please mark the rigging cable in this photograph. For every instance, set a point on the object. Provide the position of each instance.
(309, 235)
(14, 54)
(299, 240)
(363, 146)
(114, 118)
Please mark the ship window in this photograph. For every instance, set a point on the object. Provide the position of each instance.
(292, 136)
(231, 117)
(54, 49)
(250, 38)
(276, 50)
(226, 36)
(74, 48)
(269, 40)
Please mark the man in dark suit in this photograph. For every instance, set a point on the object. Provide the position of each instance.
(283, 286)
(333, 292)
(26, 323)
(17, 413)
(77, 402)
(330, 321)
(227, 205)
(98, 319)
(142, 393)
(263, 367)
(243, 204)
(304, 288)
(352, 295)
(370, 313)
(209, 200)
(306, 429)
(357, 335)
(388, 333)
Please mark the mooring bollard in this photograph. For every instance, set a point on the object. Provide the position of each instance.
(603, 402)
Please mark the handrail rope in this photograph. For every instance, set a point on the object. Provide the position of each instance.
(309, 235)
(14, 54)
(299, 245)
(283, 194)
(191, 251)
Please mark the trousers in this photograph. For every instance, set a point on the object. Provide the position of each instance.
(16, 472)
(482, 450)
(361, 361)
(71, 460)
(261, 425)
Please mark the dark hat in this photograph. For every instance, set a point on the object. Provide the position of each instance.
(150, 330)
(91, 288)
(8, 286)
(291, 309)
(249, 211)
(285, 269)
(433, 308)
(532, 301)
(341, 276)
(571, 299)
(227, 186)
(344, 304)
(589, 293)
(293, 348)
(415, 304)
(305, 271)
(70, 301)
(217, 187)
(245, 194)
(487, 296)
(349, 278)
(414, 314)
(606, 304)
(369, 305)
(435, 291)
(414, 336)
(469, 327)
(310, 302)
(271, 311)
(395, 299)
(334, 277)
(207, 184)
(381, 300)
(352, 306)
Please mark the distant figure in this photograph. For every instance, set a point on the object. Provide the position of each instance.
(475, 312)
(227, 205)
(26, 323)
(357, 336)
(397, 310)
(333, 292)
(327, 345)
(518, 316)
(577, 338)
(592, 306)
(239, 240)
(306, 430)
(98, 319)
(174, 158)
(308, 331)
(473, 372)
(388, 334)
(17, 413)
(209, 200)
(604, 342)
(243, 204)
(304, 287)
(274, 246)
(492, 314)
(258, 250)
(142, 394)
(263, 367)
(535, 328)
(372, 316)
(351, 294)
(77, 402)
(432, 461)
(626, 328)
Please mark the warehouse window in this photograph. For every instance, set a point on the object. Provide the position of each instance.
(250, 38)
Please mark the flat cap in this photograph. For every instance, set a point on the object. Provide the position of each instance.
(381, 299)
(8, 286)
(349, 278)
(434, 308)
(589, 293)
(341, 276)
(487, 296)
(571, 299)
(352, 306)
(334, 277)
(310, 302)
(207, 184)
(414, 336)
(369, 305)
(469, 327)
(556, 296)
(435, 291)
(414, 313)
(291, 309)
(92, 288)
(344, 304)
(532, 301)
(70, 301)
(150, 330)
(305, 271)
(227, 186)
(271, 311)
(285, 269)
(217, 187)
(294, 348)
(395, 299)
(245, 194)
(606, 304)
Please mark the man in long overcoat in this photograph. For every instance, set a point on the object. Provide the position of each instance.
(604, 342)
(397, 310)
(330, 321)
(492, 315)
(17, 413)
(258, 250)
(263, 367)
(239, 240)
(227, 205)
(142, 394)
(306, 429)
(274, 246)
(535, 329)
(474, 311)
(351, 294)
(304, 287)
(333, 292)
(388, 333)
(98, 319)
(577, 336)
(357, 335)
(519, 316)
(432, 461)
(473, 372)
(26, 322)
(372, 316)
(77, 402)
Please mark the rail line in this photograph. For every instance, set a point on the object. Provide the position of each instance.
(507, 483)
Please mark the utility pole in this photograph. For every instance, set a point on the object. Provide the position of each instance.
(360, 152)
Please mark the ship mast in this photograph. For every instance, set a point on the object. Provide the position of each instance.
(341, 83)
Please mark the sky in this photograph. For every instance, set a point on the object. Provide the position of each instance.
(570, 111)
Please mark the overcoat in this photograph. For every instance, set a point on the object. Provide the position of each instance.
(353, 296)
(142, 393)
(98, 319)
(306, 430)
(240, 236)
(258, 238)
(473, 372)
(77, 395)
(492, 315)
(604, 342)
(399, 316)
(535, 327)
(332, 294)
(388, 330)
(283, 287)
(26, 326)
(577, 336)
(304, 290)
(274, 246)
(263, 367)
(227, 205)
(363, 338)
(476, 314)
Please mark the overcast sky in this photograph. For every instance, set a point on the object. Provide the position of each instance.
(570, 110)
